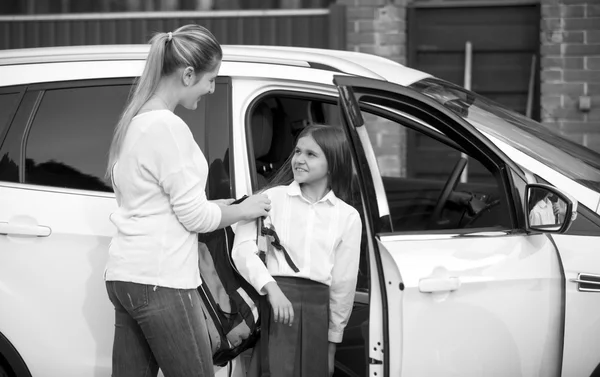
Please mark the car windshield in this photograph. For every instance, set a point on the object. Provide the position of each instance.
(528, 136)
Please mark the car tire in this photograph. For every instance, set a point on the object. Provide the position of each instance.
(3, 372)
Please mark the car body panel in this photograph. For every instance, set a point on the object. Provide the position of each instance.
(51, 72)
(505, 314)
(63, 272)
(580, 255)
(342, 61)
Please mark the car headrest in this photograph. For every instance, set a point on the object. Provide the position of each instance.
(261, 123)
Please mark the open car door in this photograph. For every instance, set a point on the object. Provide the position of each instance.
(458, 287)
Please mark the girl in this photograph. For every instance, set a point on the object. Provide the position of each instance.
(322, 234)
(541, 211)
(159, 174)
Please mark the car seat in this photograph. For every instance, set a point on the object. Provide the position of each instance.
(261, 123)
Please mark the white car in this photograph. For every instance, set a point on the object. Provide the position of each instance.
(454, 279)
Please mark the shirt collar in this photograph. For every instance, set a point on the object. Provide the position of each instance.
(294, 190)
(542, 203)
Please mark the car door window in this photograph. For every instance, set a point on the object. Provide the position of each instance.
(8, 103)
(69, 138)
(68, 141)
(429, 182)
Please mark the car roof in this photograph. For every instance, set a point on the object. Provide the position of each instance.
(347, 62)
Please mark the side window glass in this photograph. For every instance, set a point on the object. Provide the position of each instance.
(427, 183)
(8, 102)
(69, 139)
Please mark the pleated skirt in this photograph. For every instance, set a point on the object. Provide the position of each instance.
(300, 350)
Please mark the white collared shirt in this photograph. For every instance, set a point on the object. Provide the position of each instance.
(542, 214)
(323, 240)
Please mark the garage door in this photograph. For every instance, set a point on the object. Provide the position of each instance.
(504, 39)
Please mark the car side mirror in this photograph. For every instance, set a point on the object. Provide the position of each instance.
(548, 209)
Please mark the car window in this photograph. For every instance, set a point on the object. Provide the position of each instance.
(69, 138)
(8, 102)
(425, 184)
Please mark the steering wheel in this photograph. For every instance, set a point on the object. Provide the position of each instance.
(481, 212)
(448, 188)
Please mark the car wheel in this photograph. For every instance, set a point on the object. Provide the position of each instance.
(3, 372)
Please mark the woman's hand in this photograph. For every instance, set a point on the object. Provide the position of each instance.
(282, 307)
(255, 206)
(331, 357)
(222, 202)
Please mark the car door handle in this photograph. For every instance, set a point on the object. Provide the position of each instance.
(587, 282)
(429, 285)
(24, 230)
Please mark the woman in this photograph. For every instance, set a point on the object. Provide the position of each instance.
(159, 174)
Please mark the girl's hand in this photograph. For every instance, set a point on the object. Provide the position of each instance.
(282, 307)
(255, 206)
(331, 355)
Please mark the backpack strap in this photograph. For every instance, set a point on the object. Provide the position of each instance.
(265, 318)
(270, 232)
(265, 308)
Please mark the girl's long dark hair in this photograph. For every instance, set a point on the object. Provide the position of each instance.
(332, 141)
(535, 195)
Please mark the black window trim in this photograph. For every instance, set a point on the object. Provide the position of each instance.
(41, 89)
(211, 127)
(20, 89)
(82, 83)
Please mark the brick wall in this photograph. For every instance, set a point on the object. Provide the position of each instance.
(570, 73)
(379, 27)
(570, 56)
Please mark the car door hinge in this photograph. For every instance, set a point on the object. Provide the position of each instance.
(376, 362)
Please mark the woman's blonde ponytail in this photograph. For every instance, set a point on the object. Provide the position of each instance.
(189, 46)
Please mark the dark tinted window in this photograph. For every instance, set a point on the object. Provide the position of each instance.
(70, 136)
(69, 139)
(8, 102)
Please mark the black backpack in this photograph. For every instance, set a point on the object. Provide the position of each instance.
(231, 305)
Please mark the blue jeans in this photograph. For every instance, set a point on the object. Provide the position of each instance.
(158, 327)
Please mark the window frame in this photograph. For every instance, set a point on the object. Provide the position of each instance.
(213, 128)
(419, 125)
(20, 91)
(355, 91)
(294, 94)
(40, 89)
(26, 113)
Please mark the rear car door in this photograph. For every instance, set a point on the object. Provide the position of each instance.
(466, 291)
(54, 226)
(55, 204)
